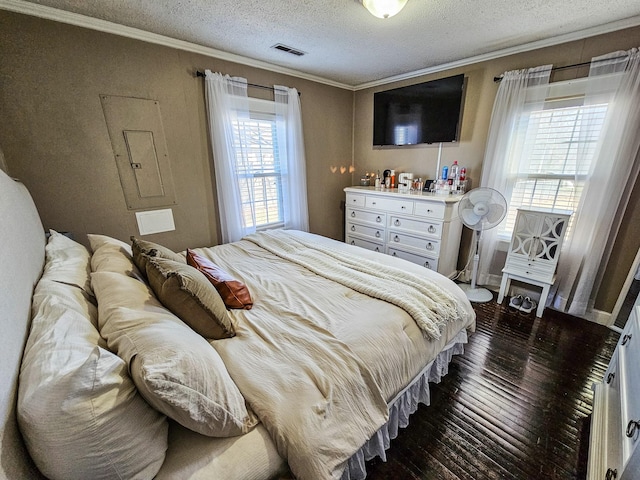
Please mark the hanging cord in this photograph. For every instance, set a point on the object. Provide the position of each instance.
(470, 258)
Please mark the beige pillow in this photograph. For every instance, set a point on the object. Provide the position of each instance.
(186, 292)
(142, 249)
(78, 410)
(176, 370)
(112, 255)
(67, 261)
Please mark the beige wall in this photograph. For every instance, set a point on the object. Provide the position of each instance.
(469, 152)
(54, 136)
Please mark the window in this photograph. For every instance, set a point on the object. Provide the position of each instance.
(258, 168)
(553, 150)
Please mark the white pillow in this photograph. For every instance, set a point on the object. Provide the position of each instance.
(175, 369)
(67, 261)
(78, 409)
(112, 255)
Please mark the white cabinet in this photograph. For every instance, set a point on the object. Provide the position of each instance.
(615, 422)
(534, 250)
(422, 228)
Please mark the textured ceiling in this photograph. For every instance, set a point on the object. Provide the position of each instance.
(346, 44)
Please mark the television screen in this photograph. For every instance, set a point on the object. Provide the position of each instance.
(428, 112)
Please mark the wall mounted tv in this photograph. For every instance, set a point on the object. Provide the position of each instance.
(429, 112)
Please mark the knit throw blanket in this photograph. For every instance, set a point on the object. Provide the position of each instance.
(428, 304)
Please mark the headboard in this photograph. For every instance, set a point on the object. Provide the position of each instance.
(22, 241)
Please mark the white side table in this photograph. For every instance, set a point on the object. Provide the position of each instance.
(534, 250)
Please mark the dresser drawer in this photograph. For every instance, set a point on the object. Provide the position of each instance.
(424, 245)
(429, 209)
(390, 204)
(358, 242)
(355, 200)
(537, 270)
(428, 262)
(362, 216)
(629, 375)
(366, 231)
(433, 229)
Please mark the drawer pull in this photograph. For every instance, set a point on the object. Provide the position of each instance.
(394, 254)
(354, 200)
(632, 426)
(377, 234)
(426, 264)
(397, 223)
(429, 210)
(353, 242)
(353, 214)
(431, 229)
(626, 338)
(429, 246)
(378, 219)
(403, 207)
(396, 238)
(611, 474)
(353, 228)
(373, 203)
(377, 249)
(610, 377)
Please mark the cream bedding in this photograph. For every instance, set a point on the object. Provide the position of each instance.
(318, 361)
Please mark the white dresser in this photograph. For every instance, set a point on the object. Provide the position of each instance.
(534, 250)
(423, 228)
(615, 422)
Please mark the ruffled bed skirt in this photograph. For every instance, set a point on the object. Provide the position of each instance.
(402, 406)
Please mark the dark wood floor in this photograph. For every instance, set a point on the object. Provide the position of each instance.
(516, 405)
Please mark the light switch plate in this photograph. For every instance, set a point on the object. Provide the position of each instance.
(155, 221)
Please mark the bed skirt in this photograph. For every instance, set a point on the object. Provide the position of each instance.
(402, 406)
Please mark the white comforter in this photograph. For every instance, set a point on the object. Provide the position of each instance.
(318, 361)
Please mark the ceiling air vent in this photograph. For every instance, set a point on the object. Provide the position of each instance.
(291, 50)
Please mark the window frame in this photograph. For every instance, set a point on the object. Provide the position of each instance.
(570, 93)
(264, 110)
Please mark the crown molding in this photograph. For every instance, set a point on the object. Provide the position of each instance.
(527, 47)
(78, 20)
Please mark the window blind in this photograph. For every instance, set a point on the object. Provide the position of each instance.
(558, 146)
(258, 171)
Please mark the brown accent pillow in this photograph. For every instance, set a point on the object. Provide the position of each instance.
(234, 293)
(189, 295)
(142, 249)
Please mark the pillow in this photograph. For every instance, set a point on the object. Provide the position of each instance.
(175, 369)
(234, 293)
(143, 249)
(188, 294)
(112, 255)
(67, 261)
(78, 410)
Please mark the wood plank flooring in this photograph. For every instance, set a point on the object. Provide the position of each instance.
(515, 405)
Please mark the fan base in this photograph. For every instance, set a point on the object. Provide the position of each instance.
(478, 295)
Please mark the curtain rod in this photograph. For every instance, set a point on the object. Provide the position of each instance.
(575, 65)
(256, 85)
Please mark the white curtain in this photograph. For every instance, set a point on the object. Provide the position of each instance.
(498, 167)
(612, 169)
(228, 106)
(292, 163)
(227, 101)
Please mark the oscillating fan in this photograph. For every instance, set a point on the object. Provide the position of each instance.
(480, 209)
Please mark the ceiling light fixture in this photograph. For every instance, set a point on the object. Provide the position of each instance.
(383, 8)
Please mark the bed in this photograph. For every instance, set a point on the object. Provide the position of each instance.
(297, 357)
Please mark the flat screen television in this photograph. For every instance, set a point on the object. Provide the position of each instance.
(428, 112)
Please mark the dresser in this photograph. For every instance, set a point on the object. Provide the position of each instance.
(615, 421)
(534, 250)
(420, 227)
